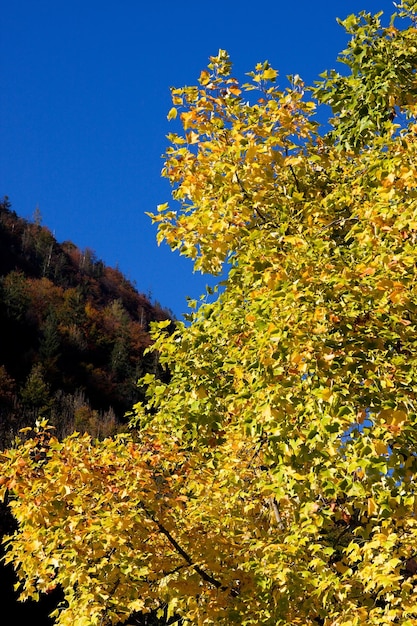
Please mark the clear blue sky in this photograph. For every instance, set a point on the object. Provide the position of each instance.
(83, 105)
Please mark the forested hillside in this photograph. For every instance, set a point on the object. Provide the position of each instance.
(72, 333)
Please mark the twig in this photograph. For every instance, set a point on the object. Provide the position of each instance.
(295, 178)
(340, 220)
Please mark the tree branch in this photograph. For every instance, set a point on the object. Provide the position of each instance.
(295, 178)
(248, 197)
(174, 543)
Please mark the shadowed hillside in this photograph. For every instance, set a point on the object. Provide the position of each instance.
(72, 333)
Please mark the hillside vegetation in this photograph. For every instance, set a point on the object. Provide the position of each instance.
(72, 333)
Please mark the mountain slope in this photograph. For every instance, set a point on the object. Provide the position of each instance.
(72, 333)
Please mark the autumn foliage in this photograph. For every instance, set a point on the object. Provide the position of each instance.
(272, 479)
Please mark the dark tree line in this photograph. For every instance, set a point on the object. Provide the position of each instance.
(73, 332)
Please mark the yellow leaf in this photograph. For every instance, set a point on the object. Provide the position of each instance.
(398, 417)
(298, 476)
(192, 137)
(177, 100)
(372, 507)
(204, 77)
(187, 118)
(172, 114)
(381, 447)
(388, 181)
(393, 417)
(341, 567)
(251, 152)
(269, 74)
(266, 412)
(201, 393)
(326, 394)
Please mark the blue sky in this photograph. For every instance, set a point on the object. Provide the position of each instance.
(84, 99)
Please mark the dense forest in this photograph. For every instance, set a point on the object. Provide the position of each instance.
(72, 333)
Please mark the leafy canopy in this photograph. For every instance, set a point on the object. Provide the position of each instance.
(272, 480)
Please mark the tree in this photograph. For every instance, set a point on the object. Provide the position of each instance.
(36, 393)
(14, 295)
(272, 479)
